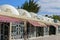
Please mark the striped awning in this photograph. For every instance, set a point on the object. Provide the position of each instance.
(36, 23)
(8, 19)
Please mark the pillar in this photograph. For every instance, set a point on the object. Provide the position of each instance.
(10, 31)
(56, 30)
(25, 30)
(0, 31)
(35, 32)
(30, 31)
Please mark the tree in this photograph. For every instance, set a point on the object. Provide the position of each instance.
(31, 6)
(56, 17)
(48, 16)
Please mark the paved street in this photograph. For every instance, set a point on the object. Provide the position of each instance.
(51, 37)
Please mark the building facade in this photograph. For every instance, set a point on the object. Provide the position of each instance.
(18, 27)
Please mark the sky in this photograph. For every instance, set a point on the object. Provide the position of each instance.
(48, 7)
(12, 2)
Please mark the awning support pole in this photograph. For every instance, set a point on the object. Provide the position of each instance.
(30, 30)
(35, 31)
(25, 30)
(10, 31)
(56, 30)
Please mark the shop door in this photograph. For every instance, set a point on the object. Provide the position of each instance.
(40, 31)
(52, 30)
(4, 31)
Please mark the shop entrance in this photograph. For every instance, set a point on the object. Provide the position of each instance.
(4, 31)
(52, 30)
(40, 31)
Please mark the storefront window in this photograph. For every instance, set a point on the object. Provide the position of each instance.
(46, 31)
(58, 29)
(13, 30)
(31, 30)
(17, 30)
(52, 30)
(39, 31)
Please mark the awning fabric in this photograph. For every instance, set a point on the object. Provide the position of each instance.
(42, 24)
(35, 23)
(55, 25)
(47, 24)
(8, 19)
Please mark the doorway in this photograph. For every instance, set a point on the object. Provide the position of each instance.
(52, 30)
(40, 31)
(4, 31)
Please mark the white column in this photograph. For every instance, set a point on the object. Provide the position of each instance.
(56, 30)
(10, 31)
(44, 31)
(35, 32)
(25, 30)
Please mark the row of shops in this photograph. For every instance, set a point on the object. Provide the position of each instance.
(13, 27)
(25, 28)
(33, 30)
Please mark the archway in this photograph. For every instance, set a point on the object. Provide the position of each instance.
(4, 31)
(52, 30)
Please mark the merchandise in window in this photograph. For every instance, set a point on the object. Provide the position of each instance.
(17, 30)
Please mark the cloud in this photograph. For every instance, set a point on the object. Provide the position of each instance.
(49, 7)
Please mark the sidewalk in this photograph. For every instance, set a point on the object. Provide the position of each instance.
(51, 37)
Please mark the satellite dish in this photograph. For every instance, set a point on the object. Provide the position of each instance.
(23, 12)
(9, 8)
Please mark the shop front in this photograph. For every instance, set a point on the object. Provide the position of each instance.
(5, 26)
(17, 31)
(35, 28)
(4, 30)
(52, 30)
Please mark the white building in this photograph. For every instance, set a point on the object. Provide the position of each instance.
(18, 24)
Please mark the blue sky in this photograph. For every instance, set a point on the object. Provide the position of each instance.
(12, 2)
(50, 7)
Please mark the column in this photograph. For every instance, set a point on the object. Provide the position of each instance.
(35, 32)
(44, 31)
(56, 30)
(10, 31)
(0, 31)
(30, 31)
(25, 30)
